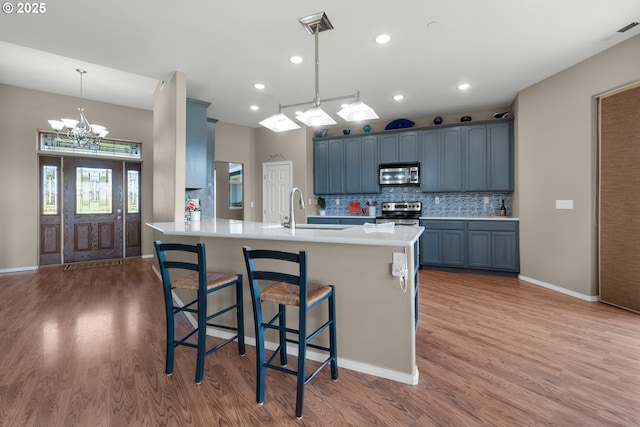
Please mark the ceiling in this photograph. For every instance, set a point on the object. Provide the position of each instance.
(127, 47)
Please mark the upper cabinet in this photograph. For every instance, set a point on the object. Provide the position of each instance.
(328, 166)
(467, 157)
(399, 147)
(346, 166)
(196, 148)
(476, 157)
(361, 165)
(488, 157)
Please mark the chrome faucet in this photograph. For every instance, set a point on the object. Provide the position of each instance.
(291, 221)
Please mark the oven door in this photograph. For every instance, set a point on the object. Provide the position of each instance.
(398, 221)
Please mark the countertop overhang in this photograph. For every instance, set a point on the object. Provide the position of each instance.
(399, 236)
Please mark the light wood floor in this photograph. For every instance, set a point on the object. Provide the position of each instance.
(86, 348)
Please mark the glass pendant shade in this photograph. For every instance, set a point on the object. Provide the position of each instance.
(357, 111)
(57, 125)
(315, 116)
(70, 123)
(279, 123)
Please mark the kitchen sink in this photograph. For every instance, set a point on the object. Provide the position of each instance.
(323, 226)
(313, 226)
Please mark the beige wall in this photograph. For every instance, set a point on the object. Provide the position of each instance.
(22, 113)
(234, 143)
(556, 139)
(294, 146)
(169, 153)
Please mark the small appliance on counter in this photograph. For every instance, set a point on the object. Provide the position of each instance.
(400, 213)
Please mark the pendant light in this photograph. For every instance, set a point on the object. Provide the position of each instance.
(316, 116)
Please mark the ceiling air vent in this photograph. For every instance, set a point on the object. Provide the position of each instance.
(627, 27)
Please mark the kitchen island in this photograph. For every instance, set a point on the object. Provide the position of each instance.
(376, 312)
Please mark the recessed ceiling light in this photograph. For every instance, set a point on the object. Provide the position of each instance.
(398, 97)
(464, 86)
(259, 86)
(295, 59)
(254, 108)
(383, 39)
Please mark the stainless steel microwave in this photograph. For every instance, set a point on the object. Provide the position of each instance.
(399, 174)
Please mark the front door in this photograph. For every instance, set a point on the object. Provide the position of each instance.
(93, 204)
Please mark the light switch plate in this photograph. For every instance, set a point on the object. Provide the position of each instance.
(564, 204)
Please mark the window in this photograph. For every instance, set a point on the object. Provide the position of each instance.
(133, 191)
(107, 147)
(49, 189)
(93, 191)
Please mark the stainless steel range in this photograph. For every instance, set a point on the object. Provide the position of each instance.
(400, 213)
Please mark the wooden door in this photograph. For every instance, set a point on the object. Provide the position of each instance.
(93, 209)
(619, 213)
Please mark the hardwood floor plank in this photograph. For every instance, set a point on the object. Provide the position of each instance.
(86, 348)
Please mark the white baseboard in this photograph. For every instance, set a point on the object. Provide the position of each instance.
(19, 269)
(589, 298)
(352, 365)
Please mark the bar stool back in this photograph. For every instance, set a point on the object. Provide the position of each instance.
(289, 290)
(203, 282)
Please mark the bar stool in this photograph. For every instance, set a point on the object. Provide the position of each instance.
(204, 283)
(289, 290)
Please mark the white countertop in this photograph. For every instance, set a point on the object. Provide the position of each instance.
(238, 229)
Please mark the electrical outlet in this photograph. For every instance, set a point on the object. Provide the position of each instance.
(399, 265)
(486, 200)
(436, 200)
(337, 201)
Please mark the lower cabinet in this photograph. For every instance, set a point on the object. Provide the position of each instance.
(338, 220)
(443, 243)
(471, 244)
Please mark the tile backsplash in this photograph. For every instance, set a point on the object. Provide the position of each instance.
(450, 204)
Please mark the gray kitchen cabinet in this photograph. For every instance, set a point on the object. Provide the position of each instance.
(338, 220)
(443, 243)
(441, 153)
(493, 245)
(361, 165)
(355, 221)
(488, 157)
(471, 245)
(323, 220)
(196, 144)
(328, 166)
(399, 147)
(369, 165)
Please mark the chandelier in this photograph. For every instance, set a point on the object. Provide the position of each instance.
(315, 116)
(80, 131)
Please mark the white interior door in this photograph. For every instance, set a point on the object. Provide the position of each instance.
(276, 186)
